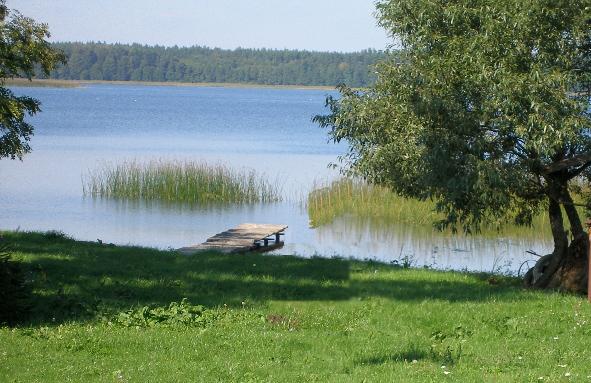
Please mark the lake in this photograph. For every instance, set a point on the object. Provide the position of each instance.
(266, 129)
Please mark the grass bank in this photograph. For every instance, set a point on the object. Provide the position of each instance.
(79, 83)
(174, 181)
(346, 197)
(103, 313)
(44, 83)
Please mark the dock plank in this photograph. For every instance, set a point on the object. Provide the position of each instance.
(242, 238)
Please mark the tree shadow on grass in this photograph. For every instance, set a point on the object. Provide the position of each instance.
(71, 279)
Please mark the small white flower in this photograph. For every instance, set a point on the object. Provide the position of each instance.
(443, 367)
(446, 372)
(567, 374)
(555, 338)
(415, 361)
(520, 357)
(562, 365)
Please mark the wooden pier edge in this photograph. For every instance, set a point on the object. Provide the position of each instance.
(242, 238)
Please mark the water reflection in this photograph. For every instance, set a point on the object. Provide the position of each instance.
(353, 237)
(266, 130)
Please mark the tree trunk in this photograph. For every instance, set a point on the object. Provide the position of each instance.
(566, 267)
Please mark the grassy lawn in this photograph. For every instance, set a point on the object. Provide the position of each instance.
(279, 318)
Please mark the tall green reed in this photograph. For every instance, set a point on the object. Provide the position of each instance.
(350, 197)
(180, 181)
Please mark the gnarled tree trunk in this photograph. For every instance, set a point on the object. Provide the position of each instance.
(566, 267)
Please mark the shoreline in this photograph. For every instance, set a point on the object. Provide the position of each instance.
(81, 83)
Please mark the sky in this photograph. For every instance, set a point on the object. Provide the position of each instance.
(320, 25)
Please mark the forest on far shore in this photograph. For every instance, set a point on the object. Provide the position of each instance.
(135, 62)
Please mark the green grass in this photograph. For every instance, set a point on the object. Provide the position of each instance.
(103, 313)
(352, 198)
(174, 181)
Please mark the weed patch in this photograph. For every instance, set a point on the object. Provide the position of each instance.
(446, 346)
(279, 320)
(175, 314)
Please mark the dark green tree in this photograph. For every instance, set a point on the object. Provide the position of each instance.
(202, 64)
(23, 50)
(488, 114)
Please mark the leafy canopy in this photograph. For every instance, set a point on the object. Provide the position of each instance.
(23, 49)
(490, 100)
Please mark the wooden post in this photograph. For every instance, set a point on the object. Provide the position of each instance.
(589, 261)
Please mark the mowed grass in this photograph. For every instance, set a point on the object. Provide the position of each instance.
(354, 198)
(177, 181)
(280, 319)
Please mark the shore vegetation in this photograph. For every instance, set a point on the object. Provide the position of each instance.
(350, 197)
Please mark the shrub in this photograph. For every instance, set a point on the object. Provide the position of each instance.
(175, 314)
(14, 295)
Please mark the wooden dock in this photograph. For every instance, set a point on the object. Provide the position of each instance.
(242, 238)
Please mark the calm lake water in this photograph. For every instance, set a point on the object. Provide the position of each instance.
(269, 130)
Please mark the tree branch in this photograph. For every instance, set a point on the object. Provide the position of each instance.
(577, 172)
(579, 160)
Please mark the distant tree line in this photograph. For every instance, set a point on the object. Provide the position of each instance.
(102, 61)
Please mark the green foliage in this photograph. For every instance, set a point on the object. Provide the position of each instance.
(188, 182)
(23, 50)
(486, 115)
(175, 314)
(14, 293)
(100, 61)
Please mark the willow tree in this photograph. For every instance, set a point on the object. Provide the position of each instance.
(487, 113)
(23, 50)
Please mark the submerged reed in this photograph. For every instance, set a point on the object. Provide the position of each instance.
(347, 197)
(176, 181)
(353, 197)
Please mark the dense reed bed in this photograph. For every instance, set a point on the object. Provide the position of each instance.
(176, 181)
(355, 198)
